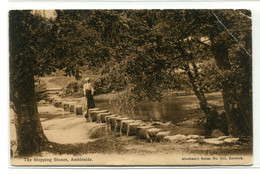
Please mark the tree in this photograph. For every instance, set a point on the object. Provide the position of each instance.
(229, 41)
(24, 38)
(229, 44)
(231, 47)
(160, 49)
(39, 46)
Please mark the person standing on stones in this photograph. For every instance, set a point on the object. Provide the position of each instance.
(88, 91)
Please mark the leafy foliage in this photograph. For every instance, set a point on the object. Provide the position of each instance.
(142, 53)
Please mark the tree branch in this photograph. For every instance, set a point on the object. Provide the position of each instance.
(199, 41)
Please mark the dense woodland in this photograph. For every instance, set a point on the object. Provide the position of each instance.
(140, 52)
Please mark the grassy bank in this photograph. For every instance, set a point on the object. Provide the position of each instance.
(133, 145)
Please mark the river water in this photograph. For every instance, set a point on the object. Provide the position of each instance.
(171, 108)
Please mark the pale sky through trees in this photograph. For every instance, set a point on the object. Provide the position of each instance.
(49, 14)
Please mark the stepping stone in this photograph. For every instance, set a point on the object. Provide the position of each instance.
(223, 137)
(53, 92)
(53, 100)
(79, 110)
(213, 141)
(192, 141)
(112, 122)
(58, 104)
(132, 128)
(72, 108)
(53, 96)
(101, 117)
(124, 126)
(141, 131)
(66, 107)
(193, 137)
(93, 114)
(97, 111)
(151, 133)
(175, 138)
(160, 135)
(109, 116)
(157, 123)
(118, 122)
(231, 140)
(42, 103)
(94, 109)
(108, 121)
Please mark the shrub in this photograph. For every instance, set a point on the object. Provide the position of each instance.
(74, 88)
(107, 84)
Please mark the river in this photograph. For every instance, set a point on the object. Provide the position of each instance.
(171, 108)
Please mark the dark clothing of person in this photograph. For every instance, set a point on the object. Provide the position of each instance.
(90, 99)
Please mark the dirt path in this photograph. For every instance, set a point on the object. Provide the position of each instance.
(59, 126)
(65, 128)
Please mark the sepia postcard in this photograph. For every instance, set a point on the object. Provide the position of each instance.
(130, 87)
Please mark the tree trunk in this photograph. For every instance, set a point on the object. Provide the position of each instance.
(237, 100)
(238, 112)
(199, 93)
(213, 119)
(30, 136)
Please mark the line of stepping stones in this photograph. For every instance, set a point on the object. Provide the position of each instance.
(151, 131)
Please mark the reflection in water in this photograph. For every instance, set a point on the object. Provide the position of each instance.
(172, 108)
